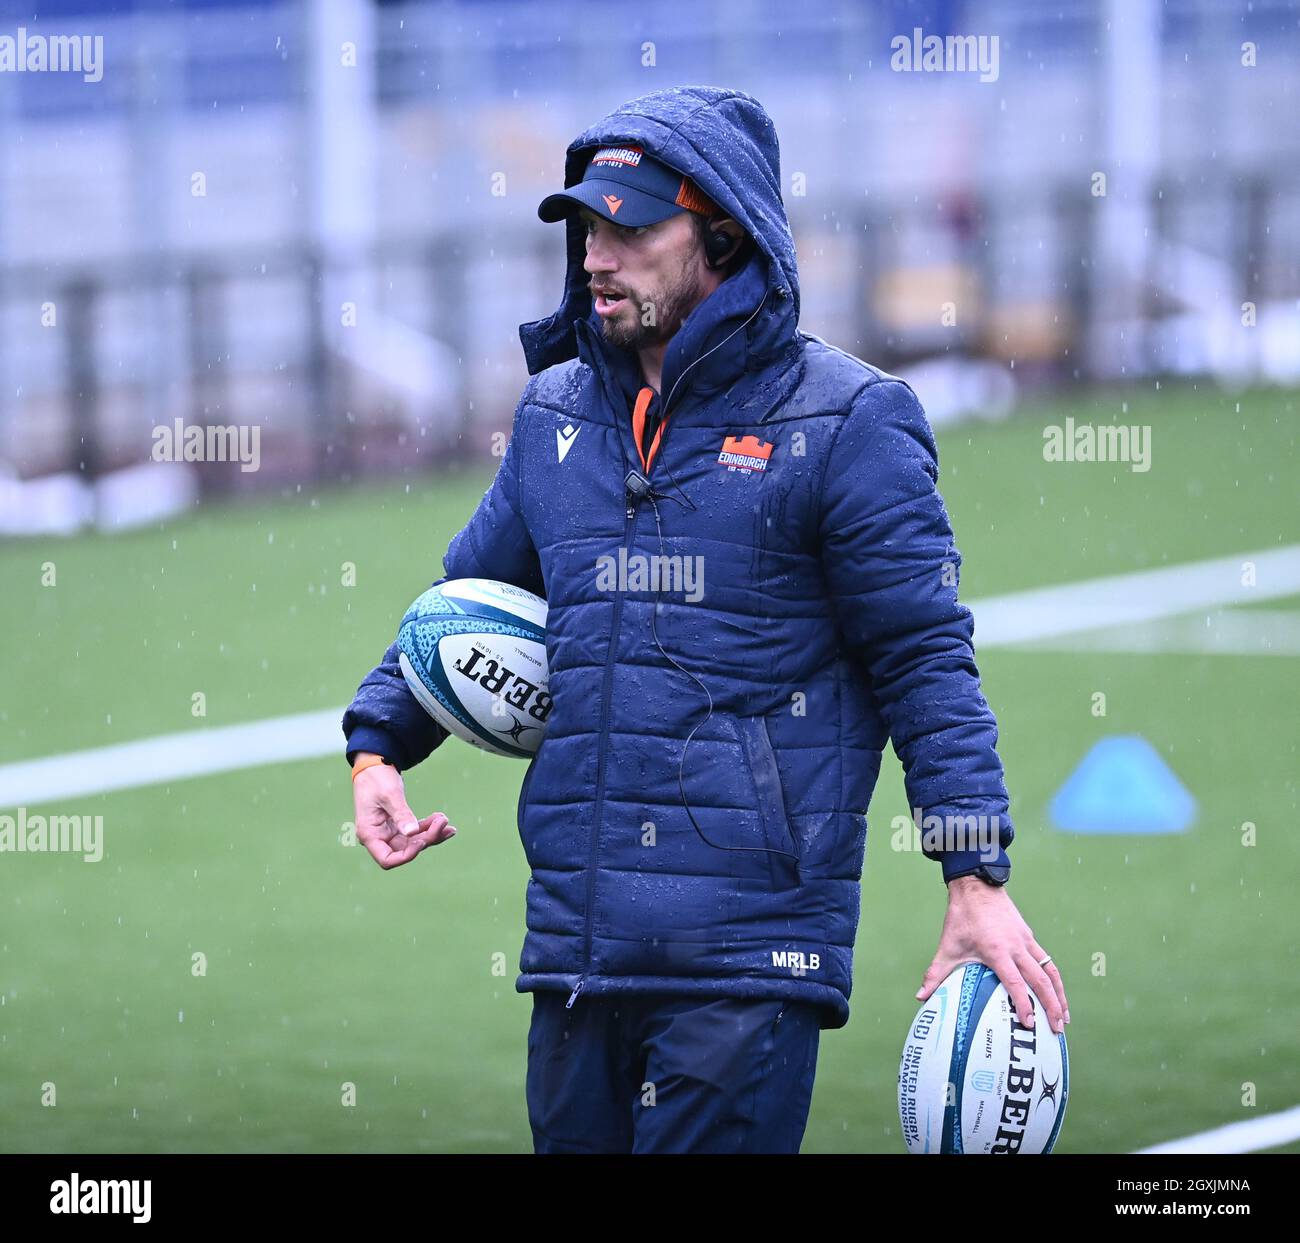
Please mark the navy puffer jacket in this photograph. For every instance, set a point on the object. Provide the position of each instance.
(800, 482)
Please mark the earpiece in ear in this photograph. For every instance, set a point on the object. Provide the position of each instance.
(719, 247)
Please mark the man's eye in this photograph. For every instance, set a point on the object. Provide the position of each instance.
(623, 229)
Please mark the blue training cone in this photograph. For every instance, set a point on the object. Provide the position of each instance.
(1123, 786)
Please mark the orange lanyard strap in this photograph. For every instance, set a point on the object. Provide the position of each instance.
(643, 400)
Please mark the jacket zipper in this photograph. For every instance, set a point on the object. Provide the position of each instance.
(607, 685)
(605, 697)
(606, 688)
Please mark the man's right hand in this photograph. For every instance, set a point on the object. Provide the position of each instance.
(386, 826)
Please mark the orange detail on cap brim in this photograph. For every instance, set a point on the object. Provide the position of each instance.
(691, 197)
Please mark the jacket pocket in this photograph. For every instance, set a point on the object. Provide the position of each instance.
(778, 832)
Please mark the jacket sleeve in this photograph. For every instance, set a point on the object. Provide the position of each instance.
(892, 569)
(385, 717)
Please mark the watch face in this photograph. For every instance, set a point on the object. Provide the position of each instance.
(994, 874)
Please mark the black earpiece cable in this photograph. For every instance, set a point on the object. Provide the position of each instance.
(681, 767)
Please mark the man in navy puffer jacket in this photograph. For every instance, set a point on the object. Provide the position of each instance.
(695, 817)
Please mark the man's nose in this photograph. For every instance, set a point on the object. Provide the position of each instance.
(600, 254)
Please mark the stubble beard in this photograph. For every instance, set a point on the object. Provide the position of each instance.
(627, 331)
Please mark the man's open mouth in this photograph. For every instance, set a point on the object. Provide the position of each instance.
(608, 303)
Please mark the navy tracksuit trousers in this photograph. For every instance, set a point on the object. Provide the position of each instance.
(656, 1073)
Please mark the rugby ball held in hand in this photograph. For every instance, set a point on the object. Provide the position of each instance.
(473, 652)
(973, 1080)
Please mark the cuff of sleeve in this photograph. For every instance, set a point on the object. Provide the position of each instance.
(368, 738)
(957, 863)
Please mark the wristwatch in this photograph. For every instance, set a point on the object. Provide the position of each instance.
(996, 874)
(992, 873)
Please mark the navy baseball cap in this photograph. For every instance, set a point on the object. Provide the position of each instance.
(627, 185)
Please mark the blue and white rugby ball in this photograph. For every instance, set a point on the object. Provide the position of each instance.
(473, 652)
(972, 1080)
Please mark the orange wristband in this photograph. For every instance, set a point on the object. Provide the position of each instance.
(369, 762)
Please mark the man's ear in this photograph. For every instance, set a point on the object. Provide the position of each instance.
(737, 235)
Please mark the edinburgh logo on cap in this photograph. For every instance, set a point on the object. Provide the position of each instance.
(629, 156)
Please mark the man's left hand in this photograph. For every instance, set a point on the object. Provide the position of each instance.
(983, 925)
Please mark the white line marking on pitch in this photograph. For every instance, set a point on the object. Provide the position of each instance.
(173, 757)
(1270, 1131)
(1219, 632)
(1127, 599)
(1022, 616)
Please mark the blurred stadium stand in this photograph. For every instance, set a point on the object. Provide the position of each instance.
(374, 186)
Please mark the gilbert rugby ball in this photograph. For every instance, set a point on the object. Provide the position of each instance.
(973, 1080)
(473, 652)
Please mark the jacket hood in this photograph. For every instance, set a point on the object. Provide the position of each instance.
(727, 144)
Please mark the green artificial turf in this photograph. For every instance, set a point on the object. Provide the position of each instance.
(1179, 952)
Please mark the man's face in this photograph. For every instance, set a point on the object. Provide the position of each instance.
(645, 281)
